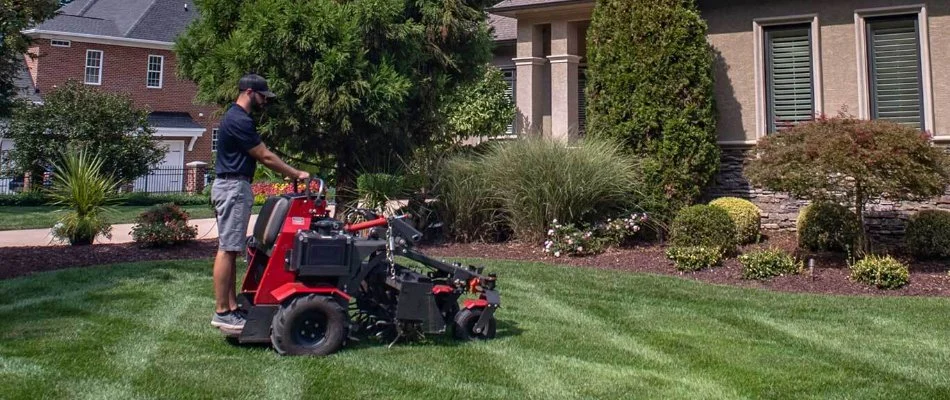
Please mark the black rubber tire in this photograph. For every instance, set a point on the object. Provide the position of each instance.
(464, 326)
(287, 336)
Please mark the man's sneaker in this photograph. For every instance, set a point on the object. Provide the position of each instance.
(230, 321)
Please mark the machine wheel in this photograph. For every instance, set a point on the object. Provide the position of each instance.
(309, 325)
(465, 325)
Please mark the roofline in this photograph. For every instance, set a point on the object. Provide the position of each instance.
(193, 133)
(100, 39)
(507, 11)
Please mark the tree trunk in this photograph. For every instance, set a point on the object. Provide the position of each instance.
(864, 245)
(345, 182)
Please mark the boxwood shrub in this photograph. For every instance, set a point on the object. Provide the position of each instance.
(746, 216)
(928, 234)
(883, 272)
(824, 226)
(704, 225)
(764, 264)
(694, 258)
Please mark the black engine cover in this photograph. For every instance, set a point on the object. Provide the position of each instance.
(316, 255)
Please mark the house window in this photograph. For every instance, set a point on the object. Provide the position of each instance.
(510, 77)
(93, 67)
(214, 140)
(894, 69)
(154, 76)
(789, 83)
(60, 43)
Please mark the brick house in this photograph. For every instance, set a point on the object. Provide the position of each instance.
(775, 59)
(126, 47)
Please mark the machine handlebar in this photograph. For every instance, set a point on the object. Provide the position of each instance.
(366, 225)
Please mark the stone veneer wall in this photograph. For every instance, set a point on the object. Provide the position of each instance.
(886, 220)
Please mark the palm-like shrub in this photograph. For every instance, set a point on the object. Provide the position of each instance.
(375, 190)
(82, 189)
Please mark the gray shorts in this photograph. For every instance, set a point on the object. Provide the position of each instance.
(232, 199)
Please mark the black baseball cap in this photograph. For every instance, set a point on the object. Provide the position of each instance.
(256, 83)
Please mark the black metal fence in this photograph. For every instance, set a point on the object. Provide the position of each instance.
(11, 184)
(161, 180)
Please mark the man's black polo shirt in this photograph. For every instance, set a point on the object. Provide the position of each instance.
(236, 136)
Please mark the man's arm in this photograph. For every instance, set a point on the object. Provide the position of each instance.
(270, 160)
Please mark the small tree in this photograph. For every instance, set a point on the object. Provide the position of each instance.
(850, 161)
(75, 114)
(478, 108)
(15, 17)
(654, 91)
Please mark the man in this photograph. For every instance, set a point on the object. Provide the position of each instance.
(239, 149)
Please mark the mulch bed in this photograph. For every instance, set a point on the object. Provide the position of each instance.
(830, 273)
(20, 261)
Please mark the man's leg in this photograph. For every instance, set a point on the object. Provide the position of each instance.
(224, 296)
(232, 201)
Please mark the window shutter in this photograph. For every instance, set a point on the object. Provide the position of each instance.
(510, 76)
(789, 75)
(894, 52)
(581, 100)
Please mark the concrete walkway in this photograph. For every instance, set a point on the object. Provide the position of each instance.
(121, 233)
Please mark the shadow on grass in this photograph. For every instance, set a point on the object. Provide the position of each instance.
(504, 329)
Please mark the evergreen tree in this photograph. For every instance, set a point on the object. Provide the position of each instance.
(650, 85)
(358, 82)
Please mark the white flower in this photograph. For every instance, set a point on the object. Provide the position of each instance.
(557, 253)
(580, 248)
(570, 241)
(554, 222)
(550, 232)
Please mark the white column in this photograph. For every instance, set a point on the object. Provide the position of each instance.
(564, 101)
(528, 65)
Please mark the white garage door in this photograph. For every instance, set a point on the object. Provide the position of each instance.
(168, 175)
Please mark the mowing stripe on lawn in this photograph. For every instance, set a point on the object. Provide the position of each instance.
(142, 331)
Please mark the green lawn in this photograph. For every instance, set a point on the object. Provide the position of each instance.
(142, 331)
(46, 217)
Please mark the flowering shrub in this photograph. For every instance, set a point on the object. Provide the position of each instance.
(163, 225)
(568, 240)
(263, 190)
(620, 231)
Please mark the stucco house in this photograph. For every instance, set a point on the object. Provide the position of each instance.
(774, 60)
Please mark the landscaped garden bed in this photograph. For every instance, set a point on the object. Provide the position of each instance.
(830, 273)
